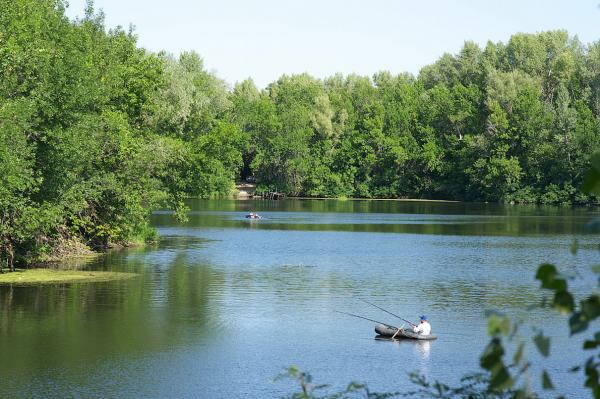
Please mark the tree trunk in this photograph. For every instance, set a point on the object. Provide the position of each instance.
(11, 255)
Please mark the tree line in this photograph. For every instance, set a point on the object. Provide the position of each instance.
(96, 132)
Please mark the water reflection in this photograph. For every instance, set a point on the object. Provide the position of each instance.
(387, 207)
(422, 349)
(222, 299)
(387, 217)
(119, 318)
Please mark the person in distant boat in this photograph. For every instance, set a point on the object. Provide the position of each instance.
(424, 328)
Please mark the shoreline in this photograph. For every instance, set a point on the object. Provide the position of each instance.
(246, 191)
(376, 199)
(70, 261)
(45, 276)
(256, 197)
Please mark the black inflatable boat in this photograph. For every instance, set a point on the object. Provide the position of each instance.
(389, 331)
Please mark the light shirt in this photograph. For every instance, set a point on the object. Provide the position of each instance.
(423, 328)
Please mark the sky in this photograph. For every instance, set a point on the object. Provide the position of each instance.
(264, 39)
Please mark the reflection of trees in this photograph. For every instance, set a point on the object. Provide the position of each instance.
(400, 217)
(504, 227)
(188, 292)
(467, 294)
(70, 323)
(385, 206)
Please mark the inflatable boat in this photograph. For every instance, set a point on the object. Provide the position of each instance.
(389, 331)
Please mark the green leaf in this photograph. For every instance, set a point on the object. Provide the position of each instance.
(519, 353)
(492, 355)
(577, 323)
(498, 324)
(546, 272)
(590, 344)
(590, 307)
(546, 381)
(491, 360)
(550, 278)
(501, 379)
(596, 269)
(542, 343)
(557, 284)
(591, 372)
(563, 301)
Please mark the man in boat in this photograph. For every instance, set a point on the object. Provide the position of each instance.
(424, 328)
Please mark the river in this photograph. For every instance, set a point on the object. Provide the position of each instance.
(223, 304)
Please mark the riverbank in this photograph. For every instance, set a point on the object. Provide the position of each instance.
(245, 190)
(250, 194)
(374, 199)
(53, 276)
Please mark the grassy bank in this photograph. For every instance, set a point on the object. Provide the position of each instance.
(51, 276)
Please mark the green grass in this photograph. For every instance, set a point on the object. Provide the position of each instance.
(51, 276)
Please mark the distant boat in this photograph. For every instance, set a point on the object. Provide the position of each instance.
(253, 215)
(389, 331)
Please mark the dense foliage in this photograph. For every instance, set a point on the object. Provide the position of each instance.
(96, 132)
(512, 122)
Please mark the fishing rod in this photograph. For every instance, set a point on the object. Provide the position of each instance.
(395, 315)
(365, 318)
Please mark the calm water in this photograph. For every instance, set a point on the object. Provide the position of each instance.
(223, 304)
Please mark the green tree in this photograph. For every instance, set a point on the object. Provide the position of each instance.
(18, 182)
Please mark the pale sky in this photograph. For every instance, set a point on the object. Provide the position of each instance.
(264, 39)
